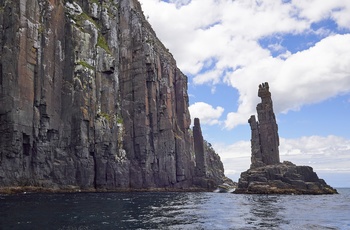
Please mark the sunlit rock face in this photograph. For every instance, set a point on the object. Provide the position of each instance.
(266, 174)
(90, 98)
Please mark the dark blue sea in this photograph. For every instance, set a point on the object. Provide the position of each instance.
(166, 210)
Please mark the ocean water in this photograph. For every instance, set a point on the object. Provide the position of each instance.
(166, 210)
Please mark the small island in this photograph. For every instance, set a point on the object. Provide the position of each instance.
(267, 175)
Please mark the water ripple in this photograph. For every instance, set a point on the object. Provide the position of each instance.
(174, 211)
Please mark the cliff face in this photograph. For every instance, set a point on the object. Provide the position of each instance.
(90, 98)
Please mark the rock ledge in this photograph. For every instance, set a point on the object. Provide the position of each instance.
(283, 178)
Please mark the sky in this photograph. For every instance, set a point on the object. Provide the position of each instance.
(300, 47)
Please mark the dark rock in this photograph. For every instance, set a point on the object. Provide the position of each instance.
(266, 174)
(90, 98)
(265, 140)
(209, 170)
(292, 179)
(200, 169)
(256, 159)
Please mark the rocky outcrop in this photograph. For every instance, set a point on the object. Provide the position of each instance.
(282, 178)
(266, 174)
(209, 170)
(214, 167)
(90, 98)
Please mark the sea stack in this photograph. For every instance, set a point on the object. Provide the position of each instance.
(266, 174)
(209, 170)
(198, 141)
(265, 140)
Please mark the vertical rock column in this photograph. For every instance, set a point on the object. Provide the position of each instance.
(256, 159)
(268, 129)
(209, 170)
(60, 117)
(265, 140)
(154, 106)
(32, 38)
(11, 130)
(200, 170)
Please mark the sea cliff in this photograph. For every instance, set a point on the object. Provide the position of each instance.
(91, 99)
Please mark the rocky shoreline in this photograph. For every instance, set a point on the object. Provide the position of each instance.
(283, 178)
(227, 186)
(32, 189)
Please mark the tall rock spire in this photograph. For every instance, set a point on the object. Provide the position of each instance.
(266, 174)
(209, 170)
(265, 140)
(199, 149)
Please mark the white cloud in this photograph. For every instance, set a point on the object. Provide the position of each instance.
(325, 154)
(328, 155)
(180, 3)
(210, 76)
(292, 79)
(235, 157)
(206, 113)
(316, 10)
(228, 32)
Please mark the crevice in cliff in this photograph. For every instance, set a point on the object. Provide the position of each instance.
(0, 74)
(26, 144)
